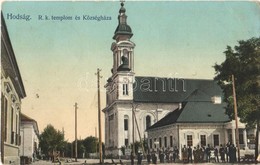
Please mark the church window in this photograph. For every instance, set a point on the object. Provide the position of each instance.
(216, 140)
(160, 142)
(154, 142)
(126, 124)
(189, 140)
(241, 136)
(165, 141)
(125, 89)
(171, 142)
(203, 141)
(151, 143)
(126, 142)
(148, 121)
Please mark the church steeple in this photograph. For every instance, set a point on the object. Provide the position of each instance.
(123, 31)
(120, 85)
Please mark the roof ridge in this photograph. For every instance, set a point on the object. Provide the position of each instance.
(199, 79)
(26, 117)
(196, 90)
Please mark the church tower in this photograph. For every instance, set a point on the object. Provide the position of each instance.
(126, 97)
(119, 88)
(120, 84)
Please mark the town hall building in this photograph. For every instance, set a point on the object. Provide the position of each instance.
(189, 111)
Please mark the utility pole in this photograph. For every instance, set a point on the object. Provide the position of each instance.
(133, 129)
(139, 133)
(235, 113)
(76, 140)
(99, 116)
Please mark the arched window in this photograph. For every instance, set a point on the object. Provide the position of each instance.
(148, 121)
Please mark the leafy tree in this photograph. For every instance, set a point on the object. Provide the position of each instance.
(51, 140)
(91, 144)
(244, 63)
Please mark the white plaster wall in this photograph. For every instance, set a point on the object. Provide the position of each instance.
(27, 134)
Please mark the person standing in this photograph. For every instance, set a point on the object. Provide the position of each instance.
(184, 154)
(154, 157)
(216, 154)
(139, 158)
(174, 153)
(189, 154)
(207, 150)
(132, 158)
(222, 153)
(227, 147)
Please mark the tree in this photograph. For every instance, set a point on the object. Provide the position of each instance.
(51, 140)
(244, 63)
(91, 144)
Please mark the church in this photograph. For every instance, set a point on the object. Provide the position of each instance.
(151, 108)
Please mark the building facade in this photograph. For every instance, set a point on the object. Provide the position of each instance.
(135, 105)
(200, 121)
(121, 110)
(12, 92)
(29, 132)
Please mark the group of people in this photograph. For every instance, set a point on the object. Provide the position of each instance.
(197, 154)
(166, 156)
(209, 153)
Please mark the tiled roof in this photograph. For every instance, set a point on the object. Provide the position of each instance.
(195, 96)
(203, 112)
(195, 112)
(170, 90)
(26, 118)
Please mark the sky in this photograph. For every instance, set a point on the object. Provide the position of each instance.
(58, 59)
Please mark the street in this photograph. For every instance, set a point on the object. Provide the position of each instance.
(117, 161)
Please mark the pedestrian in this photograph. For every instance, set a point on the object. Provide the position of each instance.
(189, 154)
(222, 153)
(176, 151)
(139, 158)
(154, 157)
(195, 155)
(232, 154)
(201, 153)
(227, 151)
(148, 158)
(184, 154)
(132, 158)
(216, 154)
(207, 151)
(161, 156)
(167, 156)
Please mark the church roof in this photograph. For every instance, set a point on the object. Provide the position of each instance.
(123, 28)
(173, 90)
(195, 112)
(194, 94)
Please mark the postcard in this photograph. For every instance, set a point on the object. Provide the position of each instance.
(118, 69)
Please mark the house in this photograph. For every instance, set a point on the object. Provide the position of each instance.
(200, 120)
(12, 92)
(29, 132)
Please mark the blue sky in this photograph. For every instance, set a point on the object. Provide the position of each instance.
(58, 59)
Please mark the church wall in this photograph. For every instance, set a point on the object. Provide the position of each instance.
(171, 134)
(181, 132)
(115, 129)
